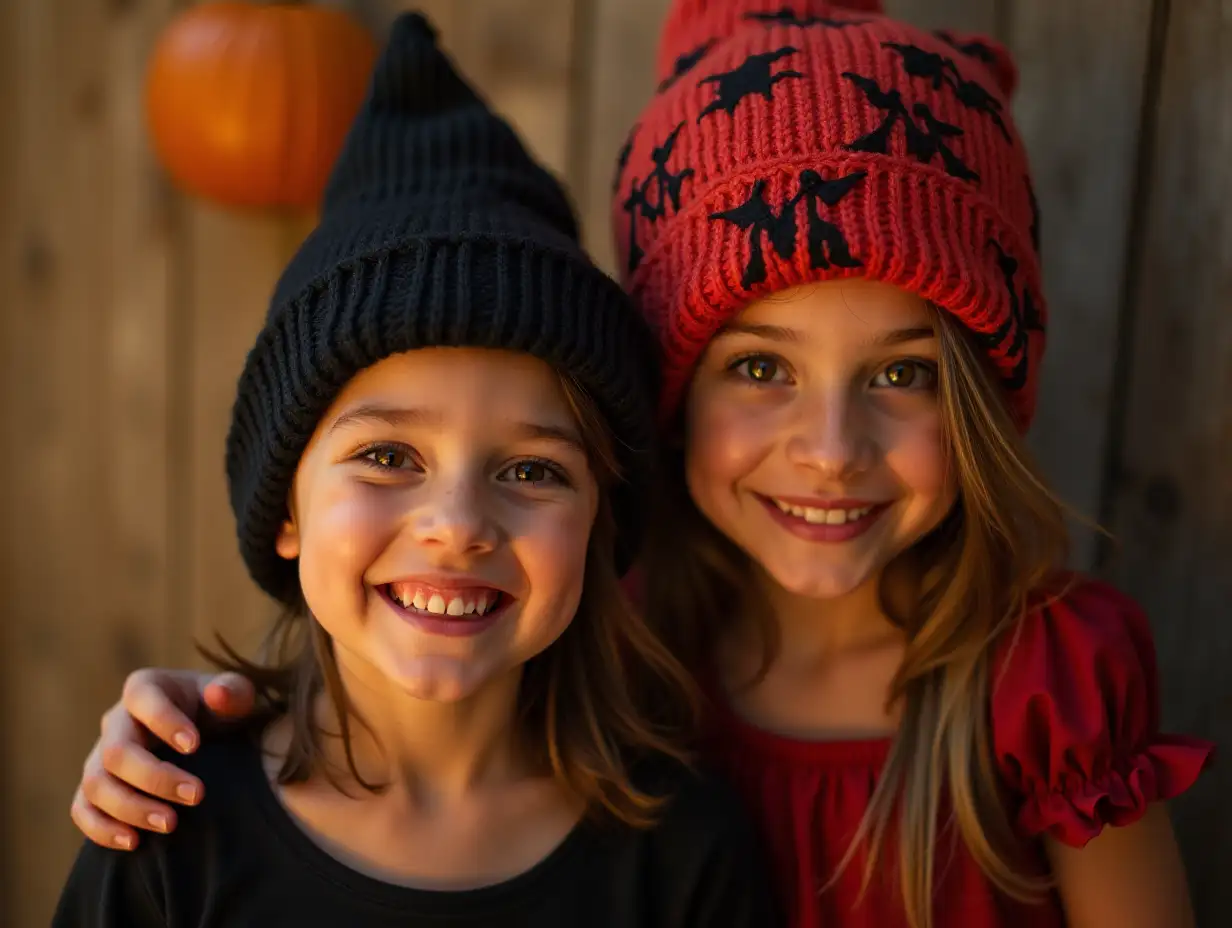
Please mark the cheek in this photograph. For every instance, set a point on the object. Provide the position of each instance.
(343, 529)
(724, 442)
(552, 554)
(918, 454)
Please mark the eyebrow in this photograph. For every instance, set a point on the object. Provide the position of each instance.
(901, 336)
(776, 333)
(428, 418)
(779, 333)
(385, 415)
(537, 431)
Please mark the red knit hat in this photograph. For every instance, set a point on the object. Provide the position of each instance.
(800, 141)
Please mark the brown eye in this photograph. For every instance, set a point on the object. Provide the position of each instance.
(900, 375)
(388, 457)
(534, 473)
(906, 375)
(760, 369)
(530, 472)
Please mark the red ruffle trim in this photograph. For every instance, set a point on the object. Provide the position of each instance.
(1077, 809)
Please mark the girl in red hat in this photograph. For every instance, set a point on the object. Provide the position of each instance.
(827, 217)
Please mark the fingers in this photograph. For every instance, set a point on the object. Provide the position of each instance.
(147, 702)
(139, 771)
(229, 696)
(118, 805)
(100, 828)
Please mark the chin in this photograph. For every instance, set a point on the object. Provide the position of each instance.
(822, 585)
(435, 679)
(812, 580)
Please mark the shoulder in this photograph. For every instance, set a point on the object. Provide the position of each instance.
(167, 874)
(1074, 712)
(227, 762)
(700, 807)
(1076, 618)
(706, 856)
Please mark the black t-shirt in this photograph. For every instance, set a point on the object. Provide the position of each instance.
(239, 860)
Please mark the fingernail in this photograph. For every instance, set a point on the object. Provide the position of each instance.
(187, 792)
(184, 741)
(124, 841)
(158, 822)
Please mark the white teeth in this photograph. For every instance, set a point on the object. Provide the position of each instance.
(437, 604)
(823, 516)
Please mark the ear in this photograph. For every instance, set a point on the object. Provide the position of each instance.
(287, 543)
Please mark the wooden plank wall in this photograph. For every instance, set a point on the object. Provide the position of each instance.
(127, 311)
(1169, 496)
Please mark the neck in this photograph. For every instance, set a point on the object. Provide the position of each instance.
(813, 631)
(430, 752)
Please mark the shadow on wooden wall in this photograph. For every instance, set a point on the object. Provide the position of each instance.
(127, 311)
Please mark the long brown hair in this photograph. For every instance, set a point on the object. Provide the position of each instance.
(606, 694)
(969, 582)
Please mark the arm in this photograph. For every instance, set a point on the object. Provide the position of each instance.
(120, 775)
(1131, 877)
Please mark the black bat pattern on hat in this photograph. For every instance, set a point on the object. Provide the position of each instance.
(941, 71)
(752, 78)
(826, 245)
(922, 144)
(684, 64)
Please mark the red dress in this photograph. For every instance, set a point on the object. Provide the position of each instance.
(1076, 738)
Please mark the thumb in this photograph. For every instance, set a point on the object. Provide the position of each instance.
(229, 696)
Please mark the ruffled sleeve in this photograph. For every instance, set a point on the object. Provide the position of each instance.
(1075, 717)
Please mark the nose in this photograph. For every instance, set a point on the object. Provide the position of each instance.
(830, 435)
(456, 520)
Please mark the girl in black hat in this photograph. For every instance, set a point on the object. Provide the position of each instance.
(437, 460)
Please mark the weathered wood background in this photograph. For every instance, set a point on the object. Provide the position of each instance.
(126, 310)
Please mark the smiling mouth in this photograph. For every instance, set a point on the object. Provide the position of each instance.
(421, 598)
(817, 516)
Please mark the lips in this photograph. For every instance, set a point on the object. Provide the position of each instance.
(815, 520)
(830, 514)
(452, 607)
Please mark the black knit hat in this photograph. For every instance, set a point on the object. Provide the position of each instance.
(437, 229)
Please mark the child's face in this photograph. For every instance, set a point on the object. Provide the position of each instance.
(814, 434)
(443, 481)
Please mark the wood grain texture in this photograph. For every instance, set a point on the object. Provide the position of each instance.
(1079, 108)
(232, 261)
(1171, 499)
(986, 16)
(87, 594)
(621, 39)
(12, 218)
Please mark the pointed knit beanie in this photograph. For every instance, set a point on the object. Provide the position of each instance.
(437, 229)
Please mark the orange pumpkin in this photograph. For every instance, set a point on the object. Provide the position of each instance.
(248, 103)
